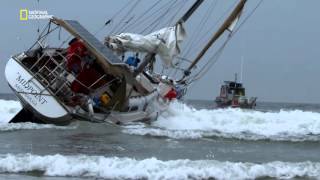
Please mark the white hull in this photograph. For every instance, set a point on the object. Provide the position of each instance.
(36, 99)
(34, 96)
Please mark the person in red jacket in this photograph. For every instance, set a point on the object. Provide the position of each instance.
(85, 75)
(172, 94)
(75, 53)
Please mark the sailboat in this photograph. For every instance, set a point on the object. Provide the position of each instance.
(89, 80)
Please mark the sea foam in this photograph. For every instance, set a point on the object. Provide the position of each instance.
(152, 168)
(184, 122)
(8, 109)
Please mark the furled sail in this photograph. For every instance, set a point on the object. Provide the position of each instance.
(164, 42)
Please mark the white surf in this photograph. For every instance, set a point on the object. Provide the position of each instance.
(152, 168)
(184, 122)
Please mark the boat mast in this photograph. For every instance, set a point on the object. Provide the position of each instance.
(225, 26)
(192, 9)
(150, 56)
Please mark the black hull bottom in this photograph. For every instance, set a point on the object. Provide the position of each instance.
(25, 116)
(29, 114)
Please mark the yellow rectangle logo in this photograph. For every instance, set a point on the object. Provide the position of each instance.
(23, 14)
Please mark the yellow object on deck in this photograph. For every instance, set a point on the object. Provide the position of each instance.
(105, 99)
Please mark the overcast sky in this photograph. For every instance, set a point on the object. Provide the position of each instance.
(279, 44)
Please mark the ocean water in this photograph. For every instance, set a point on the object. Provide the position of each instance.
(192, 140)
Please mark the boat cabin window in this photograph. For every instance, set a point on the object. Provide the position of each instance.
(240, 92)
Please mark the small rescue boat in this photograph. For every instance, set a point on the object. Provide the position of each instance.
(232, 94)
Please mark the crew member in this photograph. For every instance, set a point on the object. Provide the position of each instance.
(79, 62)
(75, 53)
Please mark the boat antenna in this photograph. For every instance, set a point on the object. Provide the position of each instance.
(38, 21)
(228, 24)
(241, 69)
(235, 77)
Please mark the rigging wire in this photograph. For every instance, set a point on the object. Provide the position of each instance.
(109, 21)
(217, 55)
(138, 18)
(157, 16)
(172, 72)
(158, 20)
(194, 36)
(119, 12)
(172, 22)
(38, 21)
(199, 41)
(176, 5)
(248, 16)
(102, 27)
(116, 28)
(172, 19)
(200, 26)
(161, 23)
(146, 17)
(121, 28)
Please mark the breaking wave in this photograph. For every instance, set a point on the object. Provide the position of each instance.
(29, 126)
(184, 122)
(9, 108)
(152, 168)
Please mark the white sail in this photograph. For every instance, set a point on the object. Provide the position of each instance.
(164, 42)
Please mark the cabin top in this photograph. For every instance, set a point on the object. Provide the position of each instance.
(105, 57)
(233, 84)
(76, 29)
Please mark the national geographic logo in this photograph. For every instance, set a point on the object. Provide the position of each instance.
(23, 14)
(26, 14)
